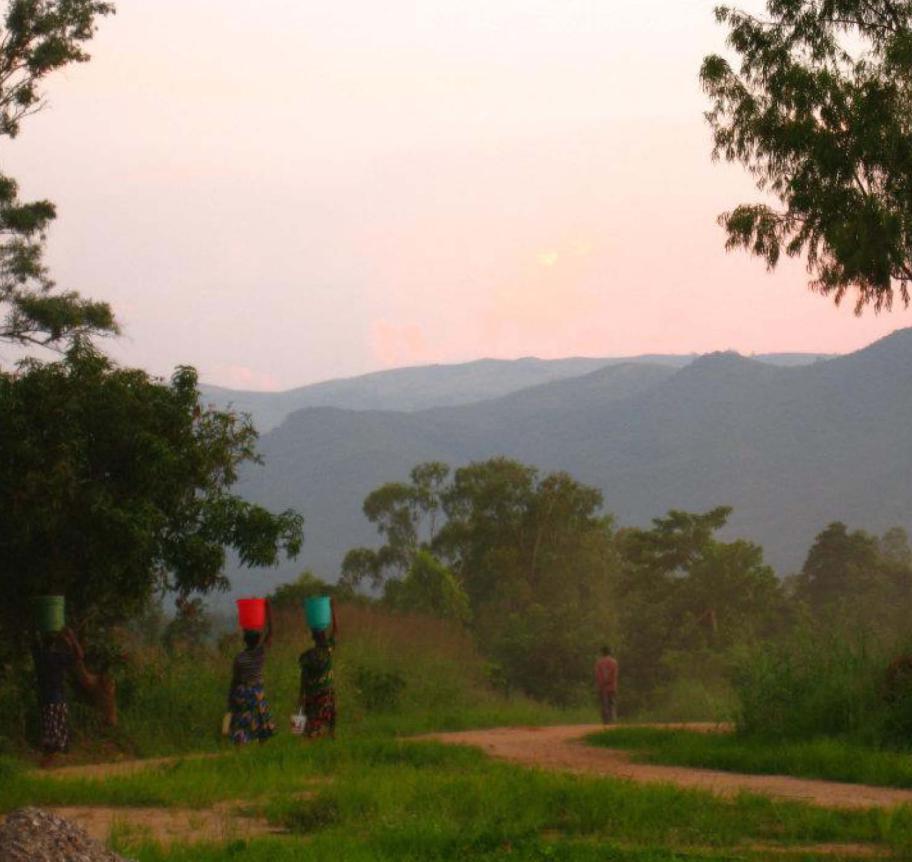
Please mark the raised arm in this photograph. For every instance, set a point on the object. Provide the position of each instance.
(267, 637)
(73, 642)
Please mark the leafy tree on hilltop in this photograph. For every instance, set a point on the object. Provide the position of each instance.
(38, 37)
(819, 110)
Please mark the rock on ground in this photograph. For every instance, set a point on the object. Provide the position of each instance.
(33, 835)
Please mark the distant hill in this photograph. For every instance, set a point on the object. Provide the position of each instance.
(791, 447)
(426, 386)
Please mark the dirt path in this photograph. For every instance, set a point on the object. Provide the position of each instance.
(560, 748)
(219, 823)
(119, 767)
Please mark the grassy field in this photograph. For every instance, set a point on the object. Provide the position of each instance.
(375, 795)
(380, 798)
(828, 758)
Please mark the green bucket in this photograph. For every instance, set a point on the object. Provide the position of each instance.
(318, 612)
(49, 613)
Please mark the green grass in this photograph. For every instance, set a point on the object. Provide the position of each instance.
(826, 758)
(385, 799)
(373, 795)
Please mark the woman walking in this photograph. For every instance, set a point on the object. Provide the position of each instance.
(55, 654)
(317, 696)
(251, 718)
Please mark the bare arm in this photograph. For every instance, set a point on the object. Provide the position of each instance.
(335, 624)
(73, 642)
(267, 638)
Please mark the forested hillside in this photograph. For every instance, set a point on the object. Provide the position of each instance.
(790, 448)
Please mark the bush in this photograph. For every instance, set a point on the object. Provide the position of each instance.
(378, 690)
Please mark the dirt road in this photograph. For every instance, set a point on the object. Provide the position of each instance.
(561, 748)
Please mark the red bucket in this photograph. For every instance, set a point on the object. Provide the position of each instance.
(252, 613)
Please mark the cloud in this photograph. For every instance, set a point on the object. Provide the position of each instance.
(394, 344)
(242, 377)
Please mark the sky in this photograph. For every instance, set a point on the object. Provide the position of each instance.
(283, 192)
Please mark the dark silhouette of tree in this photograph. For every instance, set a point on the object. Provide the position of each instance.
(819, 110)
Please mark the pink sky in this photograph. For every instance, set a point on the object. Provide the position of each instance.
(282, 192)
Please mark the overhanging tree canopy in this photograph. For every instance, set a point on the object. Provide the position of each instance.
(38, 37)
(114, 484)
(819, 110)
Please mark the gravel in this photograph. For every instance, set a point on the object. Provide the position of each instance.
(33, 835)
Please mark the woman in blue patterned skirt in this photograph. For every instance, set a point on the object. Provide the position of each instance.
(251, 718)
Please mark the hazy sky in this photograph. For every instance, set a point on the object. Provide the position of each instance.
(289, 190)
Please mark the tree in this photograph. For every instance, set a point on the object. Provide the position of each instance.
(859, 578)
(399, 511)
(38, 37)
(115, 486)
(819, 110)
(529, 558)
(429, 588)
(536, 558)
(293, 594)
(686, 593)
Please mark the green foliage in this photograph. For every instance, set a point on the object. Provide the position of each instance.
(401, 512)
(819, 112)
(38, 37)
(394, 800)
(429, 587)
(307, 584)
(816, 681)
(116, 486)
(828, 759)
(191, 626)
(689, 599)
(859, 579)
(378, 690)
(528, 559)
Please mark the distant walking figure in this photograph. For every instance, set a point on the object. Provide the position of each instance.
(318, 696)
(606, 680)
(251, 718)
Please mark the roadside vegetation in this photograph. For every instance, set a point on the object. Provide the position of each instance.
(828, 758)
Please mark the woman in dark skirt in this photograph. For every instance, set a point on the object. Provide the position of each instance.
(318, 696)
(251, 718)
(55, 654)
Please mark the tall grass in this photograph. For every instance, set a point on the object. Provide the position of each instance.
(395, 673)
(824, 758)
(821, 682)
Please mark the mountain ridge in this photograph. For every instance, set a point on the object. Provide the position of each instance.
(791, 448)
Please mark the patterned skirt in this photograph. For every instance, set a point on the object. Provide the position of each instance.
(320, 710)
(55, 728)
(251, 718)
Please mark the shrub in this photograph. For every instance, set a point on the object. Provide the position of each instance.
(378, 690)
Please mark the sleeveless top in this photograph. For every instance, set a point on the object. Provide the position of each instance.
(248, 666)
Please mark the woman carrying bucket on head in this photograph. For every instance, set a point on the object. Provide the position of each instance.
(251, 718)
(55, 653)
(318, 697)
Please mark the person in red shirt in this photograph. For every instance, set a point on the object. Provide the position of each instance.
(606, 680)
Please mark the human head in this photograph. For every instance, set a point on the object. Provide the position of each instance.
(251, 638)
(606, 650)
(319, 636)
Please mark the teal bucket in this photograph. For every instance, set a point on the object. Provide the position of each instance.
(49, 613)
(318, 611)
